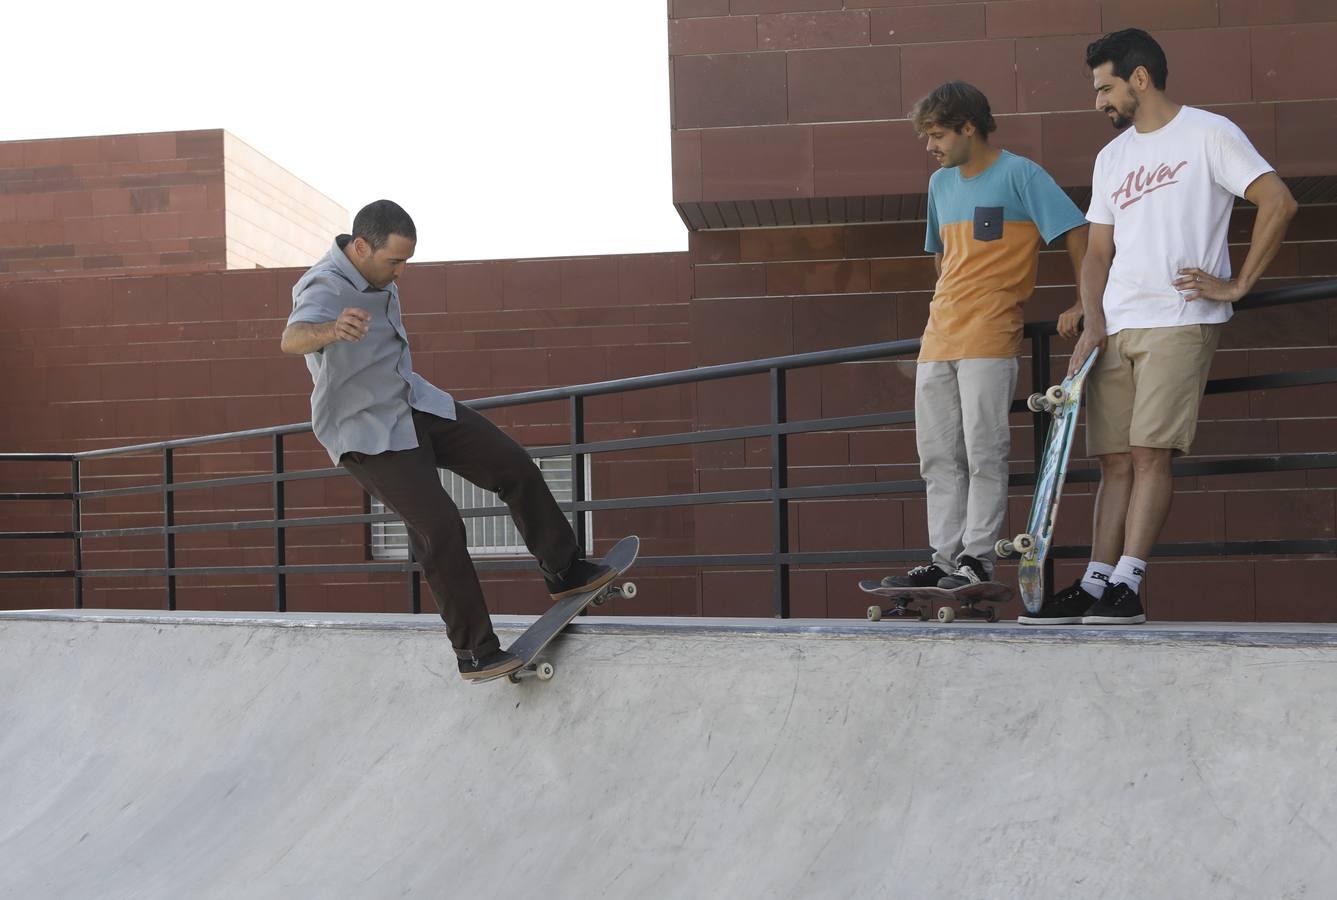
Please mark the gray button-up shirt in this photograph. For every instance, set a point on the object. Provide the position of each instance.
(365, 390)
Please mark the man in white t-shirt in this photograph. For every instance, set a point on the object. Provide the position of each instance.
(1161, 196)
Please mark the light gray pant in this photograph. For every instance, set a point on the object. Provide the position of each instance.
(961, 430)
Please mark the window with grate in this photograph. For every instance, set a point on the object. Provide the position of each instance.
(488, 535)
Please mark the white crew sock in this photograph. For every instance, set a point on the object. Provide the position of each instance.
(1129, 571)
(1097, 578)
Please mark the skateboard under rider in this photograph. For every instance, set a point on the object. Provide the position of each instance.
(538, 635)
(1063, 401)
(917, 602)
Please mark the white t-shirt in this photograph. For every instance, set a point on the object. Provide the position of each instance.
(1168, 195)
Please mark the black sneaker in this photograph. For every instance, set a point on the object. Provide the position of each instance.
(494, 665)
(1067, 607)
(582, 575)
(1119, 606)
(969, 570)
(919, 576)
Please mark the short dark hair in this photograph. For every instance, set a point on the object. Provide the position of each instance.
(952, 105)
(1129, 49)
(375, 222)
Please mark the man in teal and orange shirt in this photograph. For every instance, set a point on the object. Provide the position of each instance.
(989, 212)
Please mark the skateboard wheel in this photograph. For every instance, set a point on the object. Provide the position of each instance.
(602, 598)
(545, 671)
(513, 678)
(1056, 395)
(1004, 548)
(874, 613)
(629, 590)
(946, 614)
(1023, 543)
(1036, 403)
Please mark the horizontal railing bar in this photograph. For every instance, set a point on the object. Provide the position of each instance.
(37, 457)
(231, 481)
(37, 535)
(40, 573)
(1275, 380)
(38, 495)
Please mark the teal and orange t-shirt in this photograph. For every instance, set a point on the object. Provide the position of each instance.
(989, 230)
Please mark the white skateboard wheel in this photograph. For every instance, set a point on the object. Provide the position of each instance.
(1023, 543)
(1036, 403)
(629, 590)
(874, 613)
(545, 671)
(946, 614)
(1004, 548)
(1056, 395)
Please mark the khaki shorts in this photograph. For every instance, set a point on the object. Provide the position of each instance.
(1146, 388)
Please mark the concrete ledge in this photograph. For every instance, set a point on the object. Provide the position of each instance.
(1247, 634)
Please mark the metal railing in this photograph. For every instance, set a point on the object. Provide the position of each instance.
(779, 559)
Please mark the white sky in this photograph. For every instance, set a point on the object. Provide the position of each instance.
(516, 129)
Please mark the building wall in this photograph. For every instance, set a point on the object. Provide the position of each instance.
(151, 202)
(187, 201)
(798, 100)
(273, 218)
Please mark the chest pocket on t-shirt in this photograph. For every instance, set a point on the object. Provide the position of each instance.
(988, 223)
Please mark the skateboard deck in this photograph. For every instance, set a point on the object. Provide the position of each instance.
(1064, 402)
(538, 635)
(917, 602)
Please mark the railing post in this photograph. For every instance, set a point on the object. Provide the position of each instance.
(280, 533)
(1040, 381)
(169, 520)
(78, 541)
(779, 505)
(415, 582)
(578, 467)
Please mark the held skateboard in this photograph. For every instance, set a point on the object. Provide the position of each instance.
(538, 635)
(917, 602)
(1063, 401)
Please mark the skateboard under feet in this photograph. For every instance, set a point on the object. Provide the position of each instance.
(538, 635)
(972, 601)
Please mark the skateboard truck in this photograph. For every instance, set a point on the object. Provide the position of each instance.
(1021, 545)
(544, 671)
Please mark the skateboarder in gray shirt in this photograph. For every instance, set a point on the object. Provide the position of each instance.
(393, 431)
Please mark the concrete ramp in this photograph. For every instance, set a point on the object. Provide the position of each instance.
(171, 755)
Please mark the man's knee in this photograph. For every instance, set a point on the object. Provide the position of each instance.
(1115, 465)
(1151, 459)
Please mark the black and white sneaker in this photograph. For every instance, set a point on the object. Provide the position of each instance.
(494, 665)
(1067, 607)
(969, 570)
(1119, 606)
(919, 576)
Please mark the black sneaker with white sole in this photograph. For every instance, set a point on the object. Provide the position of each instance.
(969, 570)
(919, 576)
(1067, 607)
(494, 665)
(1119, 606)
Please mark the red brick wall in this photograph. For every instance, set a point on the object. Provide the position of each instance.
(152, 202)
(801, 99)
(111, 361)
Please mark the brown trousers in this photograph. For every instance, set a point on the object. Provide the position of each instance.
(407, 482)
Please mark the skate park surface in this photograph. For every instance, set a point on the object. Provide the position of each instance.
(287, 755)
